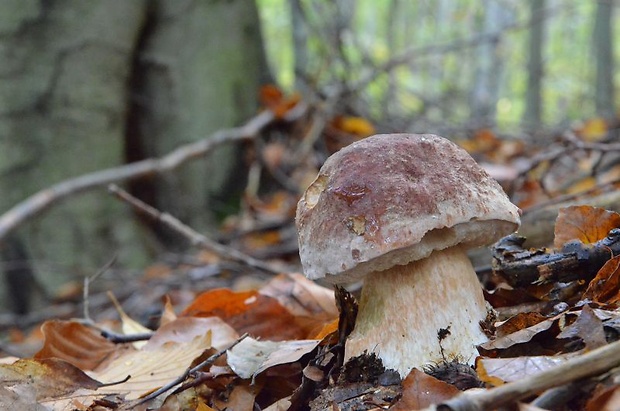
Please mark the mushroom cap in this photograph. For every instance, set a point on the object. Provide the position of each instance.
(391, 199)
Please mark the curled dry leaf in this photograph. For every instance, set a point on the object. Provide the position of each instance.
(74, 343)
(584, 223)
(588, 327)
(521, 336)
(605, 287)
(251, 357)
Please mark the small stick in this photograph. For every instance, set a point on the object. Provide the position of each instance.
(192, 235)
(87, 282)
(190, 371)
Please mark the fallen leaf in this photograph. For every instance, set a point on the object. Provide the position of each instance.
(49, 378)
(421, 390)
(358, 126)
(606, 399)
(588, 327)
(593, 129)
(185, 329)
(519, 322)
(496, 371)
(521, 336)
(75, 343)
(149, 369)
(604, 288)
(251, 357)
(128, 324)
(247, 311)
(584, 223)
(272, 98)
(240, 398)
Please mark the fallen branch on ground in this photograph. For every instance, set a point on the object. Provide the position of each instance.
(195, 238)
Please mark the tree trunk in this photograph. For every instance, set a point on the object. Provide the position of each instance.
(535, 66)
(63, 105)
(603, 47)
(199, 69)
(89, 85)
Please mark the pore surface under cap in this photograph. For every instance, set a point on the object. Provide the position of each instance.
(394, 198)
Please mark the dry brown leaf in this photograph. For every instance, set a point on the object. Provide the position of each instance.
(247, 311)
(185, 329)
(496, 371)
(272, 98)
(522, 336)
(48, 378)
(251, 357)
(168, 315)
(241, 397)
(421, 390)
(605, 286)
(300, 296)
(519, 322)
(588, 327)
(74, 343)
(584, 223)
(150, 368)
(605, 399)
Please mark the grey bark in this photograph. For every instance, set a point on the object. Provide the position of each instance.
(200, 68)
(65, 66)
(603, 47)
(80, 80)
(535, 66)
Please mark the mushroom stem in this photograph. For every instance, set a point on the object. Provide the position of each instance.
(403, 310)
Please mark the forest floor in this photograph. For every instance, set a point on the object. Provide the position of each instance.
(234, 325)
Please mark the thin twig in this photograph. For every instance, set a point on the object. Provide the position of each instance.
(195, 238)
(44, 199)
(88, 280)
(191, 371)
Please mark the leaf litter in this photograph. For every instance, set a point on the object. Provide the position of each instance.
(202, 306)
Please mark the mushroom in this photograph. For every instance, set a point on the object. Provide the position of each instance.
(400, 211)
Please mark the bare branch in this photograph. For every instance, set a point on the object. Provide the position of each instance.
(194, 237)
(47, 197)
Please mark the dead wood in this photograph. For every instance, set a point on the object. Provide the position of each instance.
(576, 260)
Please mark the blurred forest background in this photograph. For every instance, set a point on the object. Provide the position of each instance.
(90, 86)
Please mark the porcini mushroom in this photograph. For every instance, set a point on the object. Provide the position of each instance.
(400, 212)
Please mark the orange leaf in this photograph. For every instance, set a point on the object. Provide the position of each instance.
(421, 390)
(605, 287)
(584, 223)
(247, 311)
(75, 343)
(272, 98)
(358, 126)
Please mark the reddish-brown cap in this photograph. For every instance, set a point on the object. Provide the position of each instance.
(394, 198)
